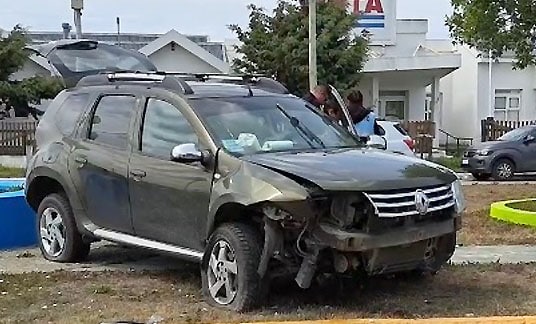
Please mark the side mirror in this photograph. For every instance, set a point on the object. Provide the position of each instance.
(529, 139)
(378, 142)
(186, 153)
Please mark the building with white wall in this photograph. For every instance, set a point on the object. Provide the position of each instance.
(402, 65)
(171, 51)
(512, 96)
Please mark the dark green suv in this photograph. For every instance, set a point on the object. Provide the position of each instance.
(236, 174)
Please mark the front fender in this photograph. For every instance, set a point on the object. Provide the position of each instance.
(250, 184)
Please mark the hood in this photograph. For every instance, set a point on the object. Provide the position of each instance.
(492, 144)
(356, 169)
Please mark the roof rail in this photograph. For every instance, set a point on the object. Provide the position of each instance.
(106, 78)
(178, 81)
(257, 80)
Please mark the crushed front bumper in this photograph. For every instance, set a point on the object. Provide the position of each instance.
(358, 241)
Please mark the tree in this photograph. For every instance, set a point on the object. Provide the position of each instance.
(277, 45)
(21, 94)
(497, 25)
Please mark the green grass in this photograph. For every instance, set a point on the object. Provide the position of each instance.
(529, 205)
(453, 163)
(6, 172)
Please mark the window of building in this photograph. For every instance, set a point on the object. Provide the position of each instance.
(507, 105)
(111, 121)
(164, 127)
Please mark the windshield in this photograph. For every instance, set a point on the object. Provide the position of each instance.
(515, 135)
(253, 125)
(103, 57)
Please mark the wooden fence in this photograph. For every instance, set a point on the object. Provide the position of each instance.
(492, 129)
(423, 132)
(16, 135)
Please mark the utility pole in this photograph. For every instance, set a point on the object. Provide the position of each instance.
(491, 108)
(77, 6)
(312, 45)
(118, 21)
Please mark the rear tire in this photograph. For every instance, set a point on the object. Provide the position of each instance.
(503, 170)
(59, 238)
(229, 268)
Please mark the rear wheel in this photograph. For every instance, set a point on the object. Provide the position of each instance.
(503, 170)
(59, 239)
(229, 270)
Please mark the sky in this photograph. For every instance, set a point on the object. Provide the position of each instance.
(201, 17)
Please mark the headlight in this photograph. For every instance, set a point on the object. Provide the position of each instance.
(459, 198)
(484, 152)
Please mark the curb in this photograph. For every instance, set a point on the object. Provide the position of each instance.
(465, 320)
(501, 211)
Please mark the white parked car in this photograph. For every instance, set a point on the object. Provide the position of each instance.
(397, 138)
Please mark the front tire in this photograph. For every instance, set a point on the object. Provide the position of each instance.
(229, 269)
(503, 170)
(59, 239)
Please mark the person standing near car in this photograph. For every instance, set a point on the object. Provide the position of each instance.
(318, 96)
(364, 119)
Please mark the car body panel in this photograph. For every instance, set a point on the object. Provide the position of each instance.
(356, 169)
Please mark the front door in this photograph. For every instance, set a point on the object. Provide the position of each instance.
(347, 119)
(168, 199)
(99, 162)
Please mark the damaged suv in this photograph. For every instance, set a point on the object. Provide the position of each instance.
(234, 173)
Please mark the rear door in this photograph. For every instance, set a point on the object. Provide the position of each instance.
(169, 199)
(98, 163)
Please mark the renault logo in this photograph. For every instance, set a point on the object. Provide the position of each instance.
(422, 202)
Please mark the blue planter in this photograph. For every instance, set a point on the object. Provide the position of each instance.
(17, 219)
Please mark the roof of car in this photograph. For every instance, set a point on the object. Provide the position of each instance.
(190, 86)
(45, 49)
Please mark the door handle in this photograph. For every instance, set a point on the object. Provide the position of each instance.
(137, 174)
(80, 160)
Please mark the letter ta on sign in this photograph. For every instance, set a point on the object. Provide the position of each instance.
(372, 6)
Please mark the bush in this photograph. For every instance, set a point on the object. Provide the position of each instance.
(453, 163)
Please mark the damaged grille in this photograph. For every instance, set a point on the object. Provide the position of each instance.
(404, 203)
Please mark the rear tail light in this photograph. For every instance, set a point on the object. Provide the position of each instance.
(410, 143)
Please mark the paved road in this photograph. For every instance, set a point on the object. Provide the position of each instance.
(107, 256)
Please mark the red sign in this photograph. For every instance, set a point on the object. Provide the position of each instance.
(371, 6)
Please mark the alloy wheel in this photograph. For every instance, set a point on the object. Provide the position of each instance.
(52, 232)
(222, 273)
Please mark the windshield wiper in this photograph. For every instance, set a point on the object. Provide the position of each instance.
(295, 122)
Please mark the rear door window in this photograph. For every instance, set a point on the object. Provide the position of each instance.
(70, 111)
(111, 121)
(401, 129)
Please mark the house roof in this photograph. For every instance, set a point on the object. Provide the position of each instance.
(188, 45)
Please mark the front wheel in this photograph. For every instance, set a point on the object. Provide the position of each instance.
(503, 170)
(229, 269)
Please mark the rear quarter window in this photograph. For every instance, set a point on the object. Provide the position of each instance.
(70, 111)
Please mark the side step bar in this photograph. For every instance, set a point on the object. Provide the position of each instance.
(149, 244)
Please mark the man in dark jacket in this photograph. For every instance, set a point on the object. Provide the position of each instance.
(318, 96)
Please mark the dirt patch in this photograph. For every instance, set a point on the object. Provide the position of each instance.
(480, 229)
(73, 297)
